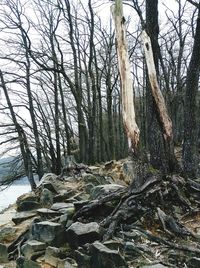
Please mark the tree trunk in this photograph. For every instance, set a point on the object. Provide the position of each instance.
(161, 148)
(128, 111)
(190, 148)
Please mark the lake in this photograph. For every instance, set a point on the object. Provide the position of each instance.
(9, 195)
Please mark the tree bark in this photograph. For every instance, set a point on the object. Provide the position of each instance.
(190, 148)
(128, 111)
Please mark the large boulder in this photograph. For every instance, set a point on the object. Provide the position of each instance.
(48, 232)
(27, 201)
(31, 247)
(103, 257)
(101, 190)
(3, 253)
(79, 233)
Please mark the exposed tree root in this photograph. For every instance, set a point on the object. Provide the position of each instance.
(152, 202)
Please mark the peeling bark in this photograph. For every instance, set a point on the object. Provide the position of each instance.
(156, 92)
(128, 111)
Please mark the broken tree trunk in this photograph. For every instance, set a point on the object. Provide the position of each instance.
(128, 111)
(156, 92)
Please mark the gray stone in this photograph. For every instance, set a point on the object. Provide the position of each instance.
(24, 263)
(31, 247)
(80, 233)
(3, 253)
(64, 195)
(100, 190)
(49, 232)
(61, 205)
(28, 205)
(22, 216)
(82, 259)
(132, 250)
(49, 186)
(113, 244)
(94, 179)
(46, 198)
(27, 202)
(66, 263)
(48, 212)
(103, 257)
(53, 256)
(193, 263)
(79, 204)
(63, 219)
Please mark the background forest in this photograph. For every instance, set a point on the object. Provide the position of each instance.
(60, 86)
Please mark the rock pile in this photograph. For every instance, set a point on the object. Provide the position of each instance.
(51, 234)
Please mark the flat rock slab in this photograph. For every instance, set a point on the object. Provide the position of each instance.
(48, 212)
(22, 216)
(61, 205)
(31, 247)
(48, 232)
(79, 233)
(103, 257)
(158, 265)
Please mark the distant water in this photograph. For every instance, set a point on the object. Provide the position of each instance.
(9, 195)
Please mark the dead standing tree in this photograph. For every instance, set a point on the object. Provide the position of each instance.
(128, 111)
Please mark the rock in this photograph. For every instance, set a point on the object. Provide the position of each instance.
(82, 259)
(100, 190)
(24, 263)
(80, 233)
(3, 253)
(63, 219)
(79, 204)
(7, 234)
(28, 205)
(64, 195)
(27, 202)
(49, 186)
(46, 198)
(54, 255)
(66, 264)
(103, 257)
(31, 247)
(94, 179)
(22, 216)
(193, 263)
(114, 244)
(58, 206)
(49, 232)
(48, 213)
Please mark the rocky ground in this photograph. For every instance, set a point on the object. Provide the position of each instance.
(96, 217)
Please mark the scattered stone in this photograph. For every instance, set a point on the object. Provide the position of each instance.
(7, 233)
(49, 186)
(28, 205)
(59, 206)
(80, 204)
(31, 247)
(82, 259)
(49, 232)
(64, 195)
(114, 244)
(100, 190)
(22, 216)
(103, 257)
(63, 219)
(132, 250)
(94, 179)
(46, 212)
(27, 201)
(193, 263)
(79, 233)
(24, 263)
(66, 263)
(3, 253)
(46, 198)
(54, 255)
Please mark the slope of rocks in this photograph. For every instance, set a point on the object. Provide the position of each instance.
(81, 219)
